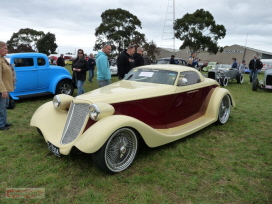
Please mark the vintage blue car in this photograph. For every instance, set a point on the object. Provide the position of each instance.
(35, 76)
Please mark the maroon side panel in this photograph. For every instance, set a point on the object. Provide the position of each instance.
(151, 111)
(188, 106)
(166, 111)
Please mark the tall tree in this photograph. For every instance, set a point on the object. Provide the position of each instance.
(25, 37)
(198, 31)
(118, 28)
(47, 44)
(151, 49)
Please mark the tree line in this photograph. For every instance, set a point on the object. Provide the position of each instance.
(197, 31)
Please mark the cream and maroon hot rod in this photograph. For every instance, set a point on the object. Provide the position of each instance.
(158, 103)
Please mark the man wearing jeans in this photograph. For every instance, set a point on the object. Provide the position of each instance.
(254, 65)
(103, 66)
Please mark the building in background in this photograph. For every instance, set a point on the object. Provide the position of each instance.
(225, 57)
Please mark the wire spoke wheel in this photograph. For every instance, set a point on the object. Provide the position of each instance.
(118, 153)
(224, 110)
(121, 149)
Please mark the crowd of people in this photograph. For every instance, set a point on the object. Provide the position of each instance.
(127, 60)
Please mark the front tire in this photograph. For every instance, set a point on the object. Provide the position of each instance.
(65, 86)
(118, 153)
(224, 110)
(255, 85)
(224, 81)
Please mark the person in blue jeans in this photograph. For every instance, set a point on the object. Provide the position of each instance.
(254, 65)
(103, 66)
(80, 67)
(91, 64)
(7, 80)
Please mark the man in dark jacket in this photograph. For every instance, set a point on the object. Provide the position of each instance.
(138, 58)
(91, 64)
(60, 61)
(125, 61)
(172, 59)
(254, 65)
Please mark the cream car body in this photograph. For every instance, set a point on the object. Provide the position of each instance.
(158, 113)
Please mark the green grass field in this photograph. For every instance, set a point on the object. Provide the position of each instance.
(219, 164)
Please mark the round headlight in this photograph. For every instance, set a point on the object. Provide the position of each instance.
(56, 101)
(94, 112)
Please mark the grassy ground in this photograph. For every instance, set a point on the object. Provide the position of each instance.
(219, 164)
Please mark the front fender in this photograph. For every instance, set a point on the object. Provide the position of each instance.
(94, 138)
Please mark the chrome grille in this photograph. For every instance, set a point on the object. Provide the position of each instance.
(75, 120)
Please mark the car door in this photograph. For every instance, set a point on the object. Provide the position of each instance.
(189, 100)
(44, 73)
(26, 74)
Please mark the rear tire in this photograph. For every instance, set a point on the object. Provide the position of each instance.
(65, 86)
(224, 110)
(11, 104)
(240, 78)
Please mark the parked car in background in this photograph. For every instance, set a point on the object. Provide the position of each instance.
(263, 84)
(166, 60)
(156, 103)
(113, 67)
(223, 73)
(209, 66)
(267, 64)
(68, 61)
(247, 70)
(223, 66)
(35, 76)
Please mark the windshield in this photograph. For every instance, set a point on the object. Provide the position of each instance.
(223, 66)
(212, 63)
(163, 61)
(155, 76)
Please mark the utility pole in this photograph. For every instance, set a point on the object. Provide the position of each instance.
(245, 48)
(168, 28)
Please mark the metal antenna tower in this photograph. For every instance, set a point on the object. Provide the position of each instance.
(168, 34)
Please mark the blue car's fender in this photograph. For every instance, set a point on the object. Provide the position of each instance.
(56, 80)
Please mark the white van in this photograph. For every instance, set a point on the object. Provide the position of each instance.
(267, 64)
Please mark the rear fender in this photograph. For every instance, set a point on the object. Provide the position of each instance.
(215, 101)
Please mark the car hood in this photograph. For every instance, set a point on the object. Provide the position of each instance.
(126, 91)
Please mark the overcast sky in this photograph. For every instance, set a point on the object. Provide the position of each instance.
(248, 22)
